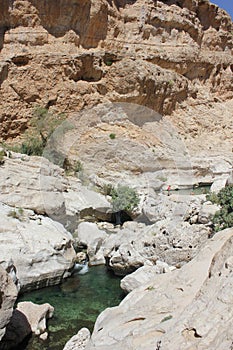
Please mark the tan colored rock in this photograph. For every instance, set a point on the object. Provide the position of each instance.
(32, 183)
(120, 51)
(89, 235)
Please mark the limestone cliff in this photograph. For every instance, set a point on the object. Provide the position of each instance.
(75, 54)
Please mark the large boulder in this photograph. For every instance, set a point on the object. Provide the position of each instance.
(172, 241)
(90, 236)
(144, 275)
(36, 315)
(32, 183)
(188, 308)
(207, 212)
(27, 318)
(35, 183)
(40, 248)
(8, 295)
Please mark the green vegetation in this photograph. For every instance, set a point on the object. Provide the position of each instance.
(43, 124)
(2, 154)
(166, 318)
(108, 62)
(72, 167)
(124, 198)
(171, 82)
(16, 213)
(224, 217)
(150, 288)
(106, 189)
(112, 136)
(162, 178)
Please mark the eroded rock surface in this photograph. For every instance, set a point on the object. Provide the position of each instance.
(40, 248)
(174, 58)
(8, 295)
(176, 309)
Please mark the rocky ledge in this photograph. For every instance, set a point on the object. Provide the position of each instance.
(175, 309)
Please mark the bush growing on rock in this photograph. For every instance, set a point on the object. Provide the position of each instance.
(43, 125)
(2, 154)
(224, 217)
(124, 198)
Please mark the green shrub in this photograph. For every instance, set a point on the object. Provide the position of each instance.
(112, 136)
(16, 213)
(72, 167)
(43, 125)
(108, 62)
(106, 189)
(32, 146)
(224, 217)
(2, 154)
(124, 198)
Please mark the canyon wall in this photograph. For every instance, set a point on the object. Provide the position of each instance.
(71, 55)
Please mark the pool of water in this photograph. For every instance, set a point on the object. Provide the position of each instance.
(77, 302)
(191, 191)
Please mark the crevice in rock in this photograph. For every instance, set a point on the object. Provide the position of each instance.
(20, 60)
(1, 298)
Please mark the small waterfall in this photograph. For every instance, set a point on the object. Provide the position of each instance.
(81, 268)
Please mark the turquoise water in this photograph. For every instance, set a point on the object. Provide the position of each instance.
(77, 302)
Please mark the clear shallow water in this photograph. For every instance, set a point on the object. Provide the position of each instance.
(77, 302)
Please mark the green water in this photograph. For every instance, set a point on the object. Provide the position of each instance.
(77, 302)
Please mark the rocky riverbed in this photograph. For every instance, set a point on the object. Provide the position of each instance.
(38, 251)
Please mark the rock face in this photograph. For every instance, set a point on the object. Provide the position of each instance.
(78, 341)
(40, 248)
(174, 58)
(32, 183)
(37, 184)
(174, 310)
(88, 235)
(182, 224)
(8, 295)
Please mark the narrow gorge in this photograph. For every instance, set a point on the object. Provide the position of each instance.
(116, 155)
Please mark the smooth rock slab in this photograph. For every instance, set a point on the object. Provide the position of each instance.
(189, 308)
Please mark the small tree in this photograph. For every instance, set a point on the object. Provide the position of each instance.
(224, 217)
(124, 198)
